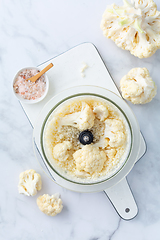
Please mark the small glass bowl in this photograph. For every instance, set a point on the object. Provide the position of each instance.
(37, 99)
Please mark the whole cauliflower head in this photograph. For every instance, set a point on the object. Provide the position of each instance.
(82, 120)
(134, 26)
(50, 205)
(137, 86)
(89, 159)
(61, 151)
(101, 112)
(29, 183)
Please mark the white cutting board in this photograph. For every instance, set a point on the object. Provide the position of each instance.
(66, 73)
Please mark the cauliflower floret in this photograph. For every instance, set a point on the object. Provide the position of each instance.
(89, 159)
(114, 130)
(29, 183)
(134, 26)
(103, 142)
(50, 205)
(60, 151)
(101, 112)
(137, 86)
(82, 120)
(113, 135)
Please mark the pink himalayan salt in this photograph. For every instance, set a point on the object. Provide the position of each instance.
(27, 89)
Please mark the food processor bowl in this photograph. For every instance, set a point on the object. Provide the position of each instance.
(102, 94)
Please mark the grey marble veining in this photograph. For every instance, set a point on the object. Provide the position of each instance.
(32, 32)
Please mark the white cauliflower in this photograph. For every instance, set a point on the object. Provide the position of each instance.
(137, 86)
(113, 135)
(103, 142)
(134, 26)
(111, 153)
(82, 120)
(29, 183)
(101, 112)
(114, 130)
(83, 68)
(89, 159)
(60, 151)
(50, 205)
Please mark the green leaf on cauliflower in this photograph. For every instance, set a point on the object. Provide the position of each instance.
(137, 26)
(124, 22)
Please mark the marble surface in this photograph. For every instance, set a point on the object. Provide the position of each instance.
(32, 32)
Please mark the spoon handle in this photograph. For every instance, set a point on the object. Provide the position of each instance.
(38, 75)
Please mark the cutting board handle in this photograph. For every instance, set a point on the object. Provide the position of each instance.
(122, 199)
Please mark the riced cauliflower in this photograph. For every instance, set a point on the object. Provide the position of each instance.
(101, 112)
(61, 151)
(82, 120)
(50, 205)
(111, 153)
(102, 155)
(134, 26)
(113, 135)
(29, 183)
(89, 159)
(137, 86)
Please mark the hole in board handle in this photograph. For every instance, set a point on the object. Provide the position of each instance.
(127, 210)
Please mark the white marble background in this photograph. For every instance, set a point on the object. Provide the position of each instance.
(32, 32)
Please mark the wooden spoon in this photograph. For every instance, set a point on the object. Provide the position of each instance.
(38, 75)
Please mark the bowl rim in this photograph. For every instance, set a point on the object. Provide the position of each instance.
(87, 187)
(26, 100)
